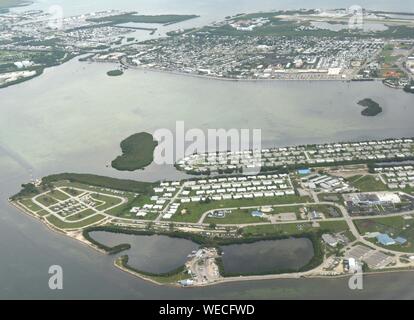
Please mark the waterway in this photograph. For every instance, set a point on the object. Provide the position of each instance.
(269, 256)
(155, 254)
(73, 117)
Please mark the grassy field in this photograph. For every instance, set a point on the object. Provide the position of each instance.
(76, 225)
(236, 217)
(58, 195)
(72, 192)
(367, 183)
(81, 215)
(100, 181)
(243, 216)
(327, 197)
(137, 152)
(196, 210)
(108, 201)
(322, 208)
(46, 200)
(394, 227)
(29, 204)
(123, 211)
(295, 228)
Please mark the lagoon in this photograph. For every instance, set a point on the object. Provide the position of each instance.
(267, 257)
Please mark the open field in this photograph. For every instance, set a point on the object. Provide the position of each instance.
(108, 201)
(196, 210)
(81, 215)
(238, 216)
(367, 183)
(58, 195)
(29, 204)
(46, 200)
(75, 225)
(101, 181)
(394, 227)
(295, 228)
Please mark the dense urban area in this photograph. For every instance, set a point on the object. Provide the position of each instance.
(285, 45)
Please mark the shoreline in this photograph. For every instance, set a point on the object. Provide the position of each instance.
(77, 235)
(191, 75)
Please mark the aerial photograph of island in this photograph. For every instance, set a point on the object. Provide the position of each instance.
(199, 150)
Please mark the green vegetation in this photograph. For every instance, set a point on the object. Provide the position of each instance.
(58, 195)
(387, 56)
(133, 17)
(46, 200)
(372, 108)
(109, 250)
(238, 216)
(115, 73)
(81, 215)
(137, 152)
(29, 204)
(330, 197)
(75, 225)
(108, 201)
(367, 183)
(101, 181)
(72, 192)
(194, 211)
(243, 216)
(28, 190)
(316, 260)
(168, 277)
(123, 211)
(20, 80)
(291, 229)
(394, 227)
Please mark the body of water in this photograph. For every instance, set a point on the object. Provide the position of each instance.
(267, 256)
(155, 254)
(73, 117)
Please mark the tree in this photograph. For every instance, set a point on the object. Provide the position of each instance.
(212, 226)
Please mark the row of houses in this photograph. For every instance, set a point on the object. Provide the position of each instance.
(397, 177)
(238, 196)
(306, 155)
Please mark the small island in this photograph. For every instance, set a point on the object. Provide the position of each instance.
(137, 152)
(372, 108)
(115, 73)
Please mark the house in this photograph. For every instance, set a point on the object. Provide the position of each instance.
(385, 239)
(257, 214)
(400, 240)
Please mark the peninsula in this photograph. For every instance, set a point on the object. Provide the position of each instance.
(352, 208)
